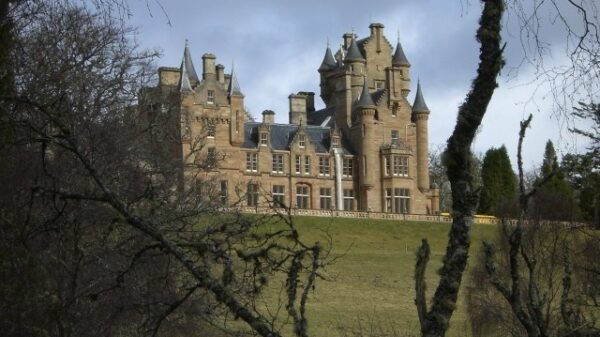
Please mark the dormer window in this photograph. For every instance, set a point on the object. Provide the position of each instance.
(302, 141)
(210, 97)
(264, 139)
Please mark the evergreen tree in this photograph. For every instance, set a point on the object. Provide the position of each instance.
(499, 184)
(554, 200)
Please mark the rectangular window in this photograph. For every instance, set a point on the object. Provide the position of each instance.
(210, 97)
(348, 199)
(401, 200)
(325, 200)
(302, 196)
(306, 165)
(388, 200)
(379, 84)
(388, 165)
(252, 194)
(298, 164)
(252, 162)
(210, 130)
(324, 166)
(400, 166)
(223, 193)
(278, 196)
(211, 158)
(301, 141)
(264, 139)
(347, 169)
(395, 137)
(277, 163)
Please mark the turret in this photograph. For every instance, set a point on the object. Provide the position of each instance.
(188, 78)
(400, 73)
(329, 62)
(365, 114)
(236, 101)
(420, 115)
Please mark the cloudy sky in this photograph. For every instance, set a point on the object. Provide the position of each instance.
(277, 46)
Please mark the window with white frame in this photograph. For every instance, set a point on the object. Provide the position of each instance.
(302, 196)
(252, 162)
(302, 141)
(400, 166)
(401, 200)
(335, 142)
(298, 166)
(210, 96)
(210, 130)
(388, 200)
(347, 168)
(395, 135)
(323, 166)
(325, 197)
(278, 195)
(348, 199)
(252, 194)
(264, 139)
(388, 165)
(277, 163)
(307, 165)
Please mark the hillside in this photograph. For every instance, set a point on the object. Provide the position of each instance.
(371, 285)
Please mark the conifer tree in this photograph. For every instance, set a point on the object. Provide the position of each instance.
(499, 184)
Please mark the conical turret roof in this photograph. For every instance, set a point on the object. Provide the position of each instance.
(234, 86)
(419, 104)
(188, 73)
(354, 53)
(328, 61)
(365, 101)
(399, 58)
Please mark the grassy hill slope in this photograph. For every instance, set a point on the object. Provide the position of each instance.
(371, 286)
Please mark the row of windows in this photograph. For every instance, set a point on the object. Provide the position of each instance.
(397, 200)
(302, 196)
(264, 140)
(302, 165)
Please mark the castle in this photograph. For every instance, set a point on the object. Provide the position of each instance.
(366, 150)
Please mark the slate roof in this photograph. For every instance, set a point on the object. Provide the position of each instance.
(283, 134)
(365, 97)
(399, 58)
(320, 116)
(419, 104)
(354, 53)
(328, 61)
(234, 85)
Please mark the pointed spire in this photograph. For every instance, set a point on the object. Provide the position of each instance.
(365, 101)
(187, 61)
(234, 86)
(354, 53)
(399, 58)
(328, 61)
(419, 104)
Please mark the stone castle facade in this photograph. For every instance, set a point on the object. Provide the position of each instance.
(366, 150)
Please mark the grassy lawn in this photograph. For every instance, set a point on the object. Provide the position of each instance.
(371, 286)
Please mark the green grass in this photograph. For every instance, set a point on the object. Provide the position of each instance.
(371, 285)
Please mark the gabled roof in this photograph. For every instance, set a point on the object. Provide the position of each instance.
(399, 58)
(419, 104)
(282, 136)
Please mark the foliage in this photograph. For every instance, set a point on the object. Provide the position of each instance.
(499, 184)
(554, 200)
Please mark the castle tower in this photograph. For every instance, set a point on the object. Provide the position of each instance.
(327, 66)
(236, 101)
(363, 132)
(420, 115)
(399, 80)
